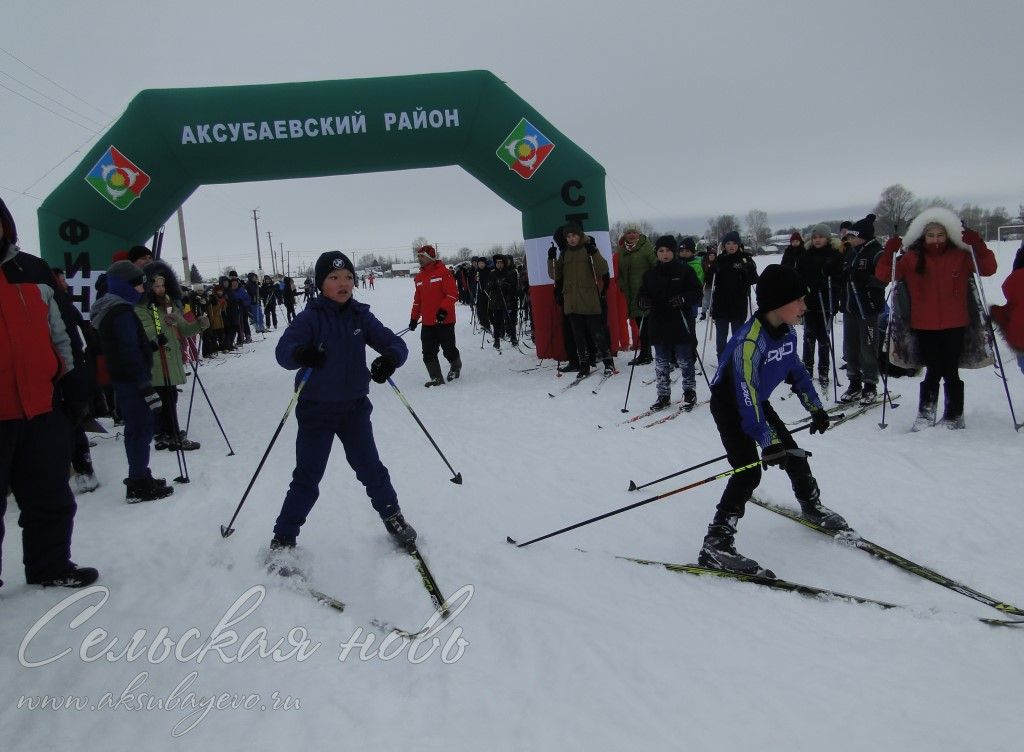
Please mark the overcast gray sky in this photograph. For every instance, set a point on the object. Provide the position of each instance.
(694, 109)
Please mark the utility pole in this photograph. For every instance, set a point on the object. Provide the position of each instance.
(256, 222)
(282, 257)
(273, 259)
(289, 263)
(184, 247)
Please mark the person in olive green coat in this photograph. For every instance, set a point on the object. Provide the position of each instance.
(579, 274)
(636, 256)
(163, 321)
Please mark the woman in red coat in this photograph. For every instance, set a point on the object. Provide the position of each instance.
(937, 269)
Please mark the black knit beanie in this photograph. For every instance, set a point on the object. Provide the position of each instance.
(777, 286)
(327, 263)
(667, 241)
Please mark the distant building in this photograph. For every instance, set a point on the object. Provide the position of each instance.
(404, 270)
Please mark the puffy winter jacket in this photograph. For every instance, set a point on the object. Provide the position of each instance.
(734, 275)
(634, 263)
(1010, 317)
(35, 349)
(938, 297)
(664, 321)
(580, 277)
(435, 290)
(345, 331)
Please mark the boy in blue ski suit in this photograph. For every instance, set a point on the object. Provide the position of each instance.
(762, 355)
(328, 341)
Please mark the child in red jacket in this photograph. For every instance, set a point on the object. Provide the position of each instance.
(1010, 317)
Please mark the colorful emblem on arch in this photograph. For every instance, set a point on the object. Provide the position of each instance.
(525, 149)
(119, 180)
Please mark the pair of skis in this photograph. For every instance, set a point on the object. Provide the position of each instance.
(442, 608)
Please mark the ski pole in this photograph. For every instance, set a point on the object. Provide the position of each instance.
(888, 345)
(620, 510)
(197, 380)
(703, 370)
(226, 530)
(456, 477)
(632, 367)
(179, 453)
(826, 322)
(710, 319)
(979, 292)
(634, 487)
(832, 340)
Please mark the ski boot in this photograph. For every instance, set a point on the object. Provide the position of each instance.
(661, 403)
(584, 371)
(569, 367)
(689, 397)
(402, 532)
(282, 559)
(642, 359)
(182, 442)
(811, 508)
(852, 393)
(609, 368)
(74, 577)
(823, 379)
(455, 371)
(719, 551)
(926, 407)
(146, 489)
(868, 395)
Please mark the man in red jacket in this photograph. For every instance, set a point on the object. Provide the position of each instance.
(36, 438)
(434, 302)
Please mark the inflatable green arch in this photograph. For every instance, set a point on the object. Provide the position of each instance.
(171, 141)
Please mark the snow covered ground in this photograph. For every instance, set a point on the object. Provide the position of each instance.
(556, 649)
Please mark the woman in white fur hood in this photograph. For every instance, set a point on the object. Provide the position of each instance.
(937, 269)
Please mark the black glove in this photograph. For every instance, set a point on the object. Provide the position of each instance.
(774, 454)
(412, 324)
(643, 303)
(150, 397)
(382, 368)
(676, 301)
(309, 356)
(552, 252)
(442, 314)
(820, 421)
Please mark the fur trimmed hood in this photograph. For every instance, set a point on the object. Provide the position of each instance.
(938, 215)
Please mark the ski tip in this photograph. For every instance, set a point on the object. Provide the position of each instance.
(181, 479)
(632, 485)
(226, 531)
(551, 395)
(457, 480)
(510, 540)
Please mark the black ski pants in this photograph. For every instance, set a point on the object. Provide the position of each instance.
(816, 330)
(940, 350)
(742, 450)
(438, 337)
(34, 459)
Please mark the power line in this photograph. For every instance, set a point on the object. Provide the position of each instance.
(44, 76)
(47, 96)
(54, 112)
